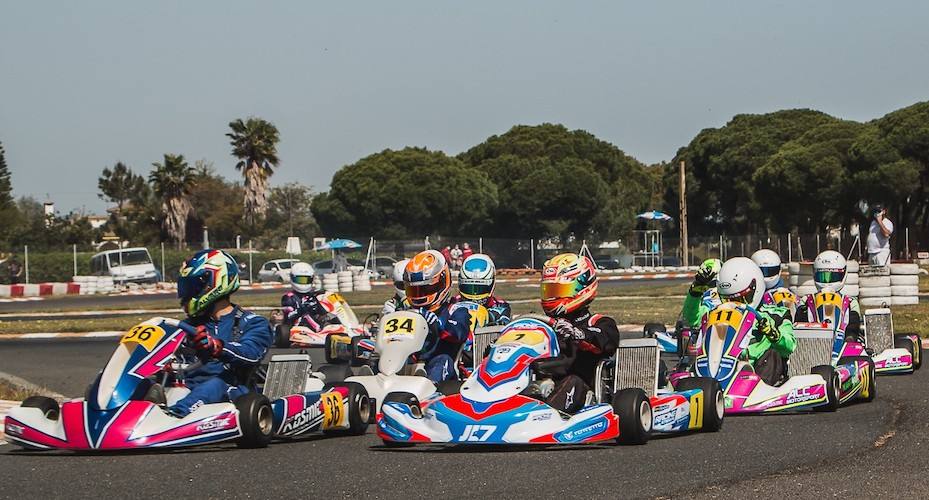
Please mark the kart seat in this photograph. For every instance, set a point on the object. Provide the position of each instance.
(156, 394)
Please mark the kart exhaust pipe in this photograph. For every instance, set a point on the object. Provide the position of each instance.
(372, 411)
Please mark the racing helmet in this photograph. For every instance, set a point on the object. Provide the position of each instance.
(301, 277)
(770, 264)
(205, 278)
(829, 271)
(740, 280)
(569, 283)
(476, 278)
(398, 277)
(427, 280)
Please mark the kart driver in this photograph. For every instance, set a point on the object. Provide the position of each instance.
(569, 285)
(829, 270)
(301, 305)
(428, 284)
(398, 302)
(229, 341)
(740, 280)
(702, 294)
(476, 280)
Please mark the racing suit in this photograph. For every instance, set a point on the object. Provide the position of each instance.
(245, 338)
(448, 330)
(594, 338)
(695, 306)
(806, 312)
(498, 313)
(769, 350)
(304, 309)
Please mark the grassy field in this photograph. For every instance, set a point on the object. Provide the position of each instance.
(13, 393)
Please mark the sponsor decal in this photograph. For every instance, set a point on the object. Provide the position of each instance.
(801, 395)
(539, 417)
(664, 419)
(477, 433)
(302, 419)
(218, 423)
(895, 361)
(14, 430)
(585, 431)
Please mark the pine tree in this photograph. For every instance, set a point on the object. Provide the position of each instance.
(6, 188)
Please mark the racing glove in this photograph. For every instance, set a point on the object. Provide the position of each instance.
(703, 281)
(769, 330)
(205, 344)
(432, 320)
(567, 330)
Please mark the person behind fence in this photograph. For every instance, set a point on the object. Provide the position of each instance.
(702, 294)
(829, 272)
(301, 305)
(740, 281)
(398, 302)
(569, 285)
(428, 283)
(879, 237)
(230, 342)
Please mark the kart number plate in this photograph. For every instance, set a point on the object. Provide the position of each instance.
(827, 299)
(399, 327)
(726, 316)
(522, 337)
(147, 336)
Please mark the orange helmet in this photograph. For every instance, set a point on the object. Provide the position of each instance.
(569, 283)
(427, 280)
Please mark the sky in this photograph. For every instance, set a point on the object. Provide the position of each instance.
(86, 84)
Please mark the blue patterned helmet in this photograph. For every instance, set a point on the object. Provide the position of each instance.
(205, 278)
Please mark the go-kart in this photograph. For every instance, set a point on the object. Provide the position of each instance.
(892, 353)
(124, 407)
(343, 322)
(502, 402)
(725, 334)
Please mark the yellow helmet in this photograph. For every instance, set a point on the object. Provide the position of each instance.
(569, 283)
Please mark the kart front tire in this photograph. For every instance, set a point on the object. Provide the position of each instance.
(713, 401)
(49, 406)
(256, 419)
(915, 350)
(828, 373)
(870, 391)
(408, 399)
(650, 329)
(359, 408)
(635, 416)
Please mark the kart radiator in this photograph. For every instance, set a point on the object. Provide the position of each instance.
(814, 348)
(637, 365)
(483, 338)
(879, 329)
(287, 374)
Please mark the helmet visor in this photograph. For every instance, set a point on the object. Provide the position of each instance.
(829, 276)
(301, 280)
(744, 297)
(558, 290)
(770, 271)
(189, 287)
(424, 292)
(475, 288)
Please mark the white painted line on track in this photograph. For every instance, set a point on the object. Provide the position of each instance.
(38, 335)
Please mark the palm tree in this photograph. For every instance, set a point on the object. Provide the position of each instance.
(254, 143)
(171, 182)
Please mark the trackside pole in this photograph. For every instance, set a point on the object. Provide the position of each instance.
(249, 261)
(532, 253)
(26, 261)
(480, 245)
(74, 254)
(163, 277)
(789, 249)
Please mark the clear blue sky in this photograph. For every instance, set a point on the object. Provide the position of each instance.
(84, 84)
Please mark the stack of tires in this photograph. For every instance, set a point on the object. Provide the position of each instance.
(331, 282)
(800, 280)
(904, 284)
(361, 282)
(345, 281)
(874, 286)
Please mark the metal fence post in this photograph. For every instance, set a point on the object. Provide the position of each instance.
(26, 264)
(163, 277)
(74, 253)
(249, 262)
(532, 253)
(480, 245)
(789, 249)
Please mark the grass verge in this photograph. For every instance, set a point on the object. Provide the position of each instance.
(11, 392)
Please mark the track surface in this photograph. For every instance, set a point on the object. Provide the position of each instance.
(803, 456)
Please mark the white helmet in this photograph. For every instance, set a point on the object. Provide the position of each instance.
(476, 278)
(398, 277)
(740, 280)
(770, 264)
(829, 271)
(301, 277)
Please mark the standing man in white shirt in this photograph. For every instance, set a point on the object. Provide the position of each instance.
(879, 237)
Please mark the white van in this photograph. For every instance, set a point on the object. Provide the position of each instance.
(129, 265)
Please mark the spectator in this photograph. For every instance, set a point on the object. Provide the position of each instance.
(879, 237)
(447, 253)
(16, 270)
(339, 262)
(456, 257)
(466, 251)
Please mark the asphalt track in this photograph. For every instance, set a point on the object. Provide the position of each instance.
(862, 451)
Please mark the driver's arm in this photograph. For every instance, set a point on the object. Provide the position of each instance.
(693, 310)
(455, 328)
(252, 346)
(604, 334)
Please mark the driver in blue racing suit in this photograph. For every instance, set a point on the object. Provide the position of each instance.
(428, 284)
(229, 342)
(476, 282)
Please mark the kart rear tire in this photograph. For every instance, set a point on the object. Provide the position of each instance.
(359, 408)
(649, 330)
(713, 401)
(281, 336)
(828, 373)
(449, 387)
(256, 419)
(635, 416)
(871, 389)
(49, 406)
(335, 373)
(915, 350)
(408, 399)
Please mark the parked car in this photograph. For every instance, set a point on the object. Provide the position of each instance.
(277, 270)
(606, 262)
(129, 265)
(384, 266)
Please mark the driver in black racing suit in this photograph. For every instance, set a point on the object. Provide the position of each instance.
(569, 285)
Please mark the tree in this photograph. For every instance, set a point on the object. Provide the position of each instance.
(289, 214)
(214, 204)
(254, 143)
(6, 187)
(171, 181)
(119, 185)
(408, 193)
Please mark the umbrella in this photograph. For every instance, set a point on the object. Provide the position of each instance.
(339, 245)
(654, 215)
